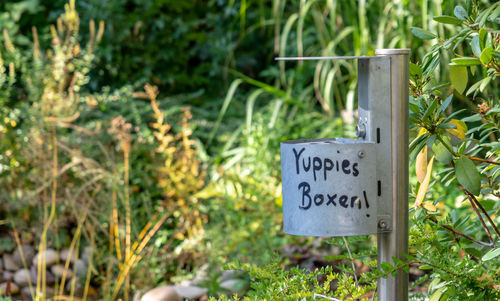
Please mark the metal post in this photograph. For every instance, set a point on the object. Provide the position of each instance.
(395, 243)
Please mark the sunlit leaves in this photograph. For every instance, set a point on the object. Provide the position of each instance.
(484, 38)
(460, 130)
(466, 61)
(459, 78)
(486, 55)
(422, 190)
(421, 164)
(491, 254)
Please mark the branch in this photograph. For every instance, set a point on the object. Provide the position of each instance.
(484, 211)
(490, 244)
(483, 160)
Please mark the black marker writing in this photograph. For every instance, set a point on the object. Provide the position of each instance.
(306, 188)
(297, 156)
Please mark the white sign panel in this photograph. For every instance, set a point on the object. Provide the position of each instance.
(329, 187)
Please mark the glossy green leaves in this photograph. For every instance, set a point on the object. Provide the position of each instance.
(467, 175)
(448, 20)
(422, 34)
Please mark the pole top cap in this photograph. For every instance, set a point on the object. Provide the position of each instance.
(392, 51)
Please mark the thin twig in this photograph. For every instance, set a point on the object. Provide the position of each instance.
(490, 245)
(485, 213)
(325, 297)
(483, 160)
(473, 203)
(352, 261)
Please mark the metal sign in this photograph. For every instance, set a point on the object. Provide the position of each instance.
(342, 187)
(328, 187)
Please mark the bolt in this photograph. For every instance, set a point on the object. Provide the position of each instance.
(382, 224)
(361, 153)
(361, 130)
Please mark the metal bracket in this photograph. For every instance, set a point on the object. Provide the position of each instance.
(384, 224)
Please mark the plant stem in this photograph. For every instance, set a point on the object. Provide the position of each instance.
(470, 157)
(446, 145)
(352, 260)
(468, 237)
(484, 211)
(483, 160)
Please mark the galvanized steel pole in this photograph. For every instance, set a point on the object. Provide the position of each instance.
(395, 243)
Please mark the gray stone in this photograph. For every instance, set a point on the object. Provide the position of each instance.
(58, 270)
(51, 257)
(78, 288)
(227, 274)
(237, 286)
(13, 289)
(8, 263)
(190, 292)
(27, 252)
(201, 275)
(162, 293)
(186, 282)
(80, 268)
(26, 293)
(65, 254)
(416, 272)
(49, 278)
(22, 277)
(87, 252)
(6, 276)
(137, 295)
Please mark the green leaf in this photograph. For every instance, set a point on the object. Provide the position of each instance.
(495, 14)
(482, 17)
(491, 254)
(486, 55)
(473, 251)
(484, 38)
(467, 175)
(445, 103)
(459, 78)
(460, 13)
(474, 87)
(466, 61)
(436, 296)
(447, 20)
(386, 267)
(425, 267)
(476, 48)
(484, 83)
(415, 70)
(430, 110)
(441, 152)
(423, 34)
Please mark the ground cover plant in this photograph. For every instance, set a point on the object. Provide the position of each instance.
(144, 137)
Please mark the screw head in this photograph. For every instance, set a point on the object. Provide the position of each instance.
(361, 153)
(361, 130)
(382, 224)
